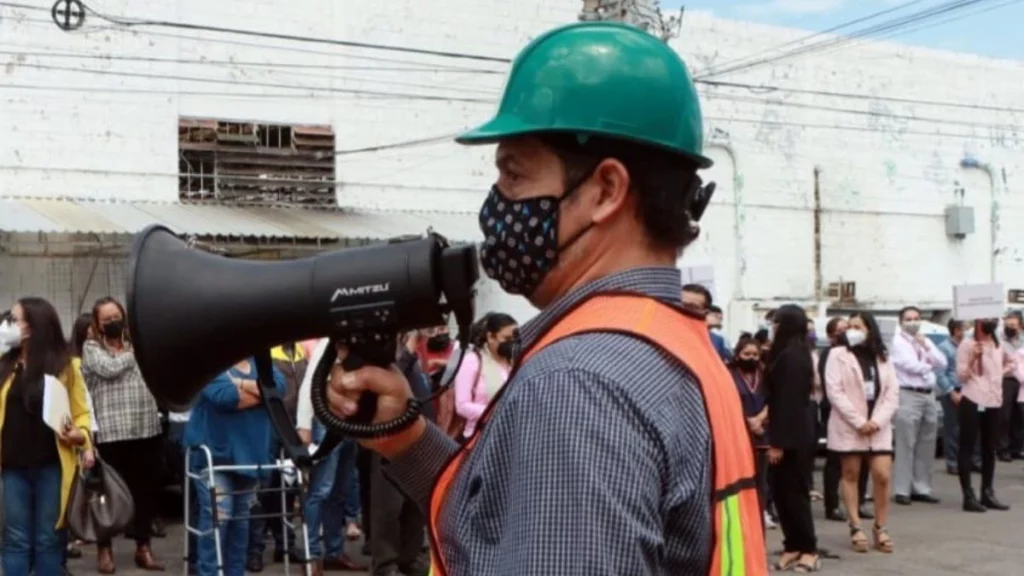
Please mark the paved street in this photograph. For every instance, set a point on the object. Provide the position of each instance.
(937, 540)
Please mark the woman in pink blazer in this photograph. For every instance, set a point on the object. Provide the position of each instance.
(862, 387)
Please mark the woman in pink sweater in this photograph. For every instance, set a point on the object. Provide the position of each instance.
(484, 372)
(980, 365)
(862, 387)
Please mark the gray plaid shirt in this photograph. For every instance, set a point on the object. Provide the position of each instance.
(596, 460)
(125, 410)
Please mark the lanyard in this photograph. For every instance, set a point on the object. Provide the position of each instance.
(752, 383)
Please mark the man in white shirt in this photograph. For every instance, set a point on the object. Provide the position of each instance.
(330, 478)
(916, 360)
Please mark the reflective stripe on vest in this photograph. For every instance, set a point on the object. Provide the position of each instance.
(738, 540)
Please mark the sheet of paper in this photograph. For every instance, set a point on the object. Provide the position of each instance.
(56, 407)
(978, 301)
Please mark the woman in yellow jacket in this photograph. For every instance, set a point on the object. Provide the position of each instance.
(37, 464)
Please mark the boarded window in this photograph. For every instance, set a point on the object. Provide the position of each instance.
(248, 163)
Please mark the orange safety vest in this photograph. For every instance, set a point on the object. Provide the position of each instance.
(738, 543)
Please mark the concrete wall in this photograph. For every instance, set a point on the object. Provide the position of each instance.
(885, 177)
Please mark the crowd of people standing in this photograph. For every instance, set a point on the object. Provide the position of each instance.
(115, 415)
(878, 404)
(875, 399)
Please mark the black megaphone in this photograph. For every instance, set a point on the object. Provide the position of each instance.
(193, 314)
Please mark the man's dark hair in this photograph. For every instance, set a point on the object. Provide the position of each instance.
(953, 324)
(698, 289)
(714, 310)
(905, 309)
(769, 316)
(1014, 314)
(833, 323)
(664, 182)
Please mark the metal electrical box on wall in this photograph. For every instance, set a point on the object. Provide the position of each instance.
(959, 220)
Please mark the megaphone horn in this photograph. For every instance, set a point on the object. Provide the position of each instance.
(192, 314)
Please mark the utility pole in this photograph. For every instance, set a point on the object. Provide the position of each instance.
(644, 14)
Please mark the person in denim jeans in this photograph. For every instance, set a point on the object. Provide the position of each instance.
(327, 504)
(230, 422)
(342, 509)
(269, 503)
(37, 462)
(320, 483)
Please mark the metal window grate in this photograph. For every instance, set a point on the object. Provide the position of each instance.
(255, 163)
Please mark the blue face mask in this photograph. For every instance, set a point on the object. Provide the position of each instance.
(812, 337)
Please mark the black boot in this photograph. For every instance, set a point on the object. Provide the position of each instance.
(989, 500)
(971, 503)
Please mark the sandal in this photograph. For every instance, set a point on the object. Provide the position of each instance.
(787, 561)
(806, 567)
(883, 543)
(858, 539)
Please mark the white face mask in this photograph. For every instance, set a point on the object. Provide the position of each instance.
(10, 336)
(912, 327)
(855, 337)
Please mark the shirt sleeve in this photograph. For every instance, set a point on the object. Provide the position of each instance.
(946, 380)
(465, 383)
(938, 359)
(587, 479)
(964, 360)
(841, 403)
(222, 393)
(97, 360)
(789, 388)
(904, 358)
(81, 404)
(417, 468)
(304, 412)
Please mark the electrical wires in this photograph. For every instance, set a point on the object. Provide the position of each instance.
(767, 88)
(885, 27)
(803, 39)
(143, 23)
(300, 88)
(413, 61)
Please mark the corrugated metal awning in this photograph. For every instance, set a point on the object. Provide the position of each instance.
(76, 216)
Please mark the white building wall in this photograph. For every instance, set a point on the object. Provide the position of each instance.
(884, 180)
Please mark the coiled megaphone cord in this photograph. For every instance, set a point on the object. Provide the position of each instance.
(370, 430)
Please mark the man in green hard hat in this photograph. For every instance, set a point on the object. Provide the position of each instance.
(618, 445)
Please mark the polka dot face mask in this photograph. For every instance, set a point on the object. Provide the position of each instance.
(521, 239)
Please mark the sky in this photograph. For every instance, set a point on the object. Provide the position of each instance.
(987, 29)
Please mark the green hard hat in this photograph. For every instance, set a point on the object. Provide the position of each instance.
(600, 78)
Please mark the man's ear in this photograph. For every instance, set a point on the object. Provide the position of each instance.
(613, 182)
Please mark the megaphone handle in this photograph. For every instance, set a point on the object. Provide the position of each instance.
(367, 401)
(361, 352)
(375, 349)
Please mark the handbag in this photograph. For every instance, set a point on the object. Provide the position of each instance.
(100, 506)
